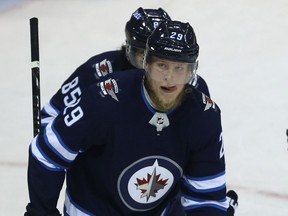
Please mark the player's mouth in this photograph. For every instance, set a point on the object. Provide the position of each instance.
(169, 89)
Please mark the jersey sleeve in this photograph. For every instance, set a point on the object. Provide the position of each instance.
(203, 184)
(53, 151)
(69, 92)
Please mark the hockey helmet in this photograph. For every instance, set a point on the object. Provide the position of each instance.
(141, 25)
(174, 41)
(138, 29)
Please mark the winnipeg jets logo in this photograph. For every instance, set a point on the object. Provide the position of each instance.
(160, 120)
(145, 183)
(209, 103)
(103, 68)
(109, 87)
(151, 185)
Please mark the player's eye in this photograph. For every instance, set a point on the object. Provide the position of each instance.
(162, 66)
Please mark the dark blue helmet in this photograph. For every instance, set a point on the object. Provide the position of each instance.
(173, 40)
(141, 25)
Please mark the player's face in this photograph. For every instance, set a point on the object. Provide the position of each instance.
(170, 72)
(139, 56)
(167, 80)
(136, 56)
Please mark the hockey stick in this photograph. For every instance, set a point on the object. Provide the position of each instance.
(35, 69)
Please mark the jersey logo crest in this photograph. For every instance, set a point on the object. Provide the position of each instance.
(109, 87)
(103, 68)
(145, 183)
(150, 186)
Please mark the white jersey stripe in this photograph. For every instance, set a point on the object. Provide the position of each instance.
(45, 121)
(57, 145)
(191, 203)
(40, 157)
(212, 184)
(50, 110)
(73, 210)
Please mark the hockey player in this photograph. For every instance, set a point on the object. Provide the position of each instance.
(137, 30)
(135, 142)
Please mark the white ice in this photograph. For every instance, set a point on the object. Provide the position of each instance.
(243, 58)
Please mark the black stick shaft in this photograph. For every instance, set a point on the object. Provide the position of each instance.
(35, 69)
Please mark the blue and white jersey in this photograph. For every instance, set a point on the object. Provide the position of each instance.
(122, 157)
(84, 76)
(88, 74)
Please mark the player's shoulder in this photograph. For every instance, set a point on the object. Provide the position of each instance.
(126, 82)
(101, 62)
(111, 54)
(117, 86)
(96, 67)
(203, 115)
(104, 61)
(203, 103)
(107, 63)
(200, 84)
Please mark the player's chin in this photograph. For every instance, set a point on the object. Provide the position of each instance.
(168, 99)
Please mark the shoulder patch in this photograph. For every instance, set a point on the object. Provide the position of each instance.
(103, 68)
(109, 87)
(208, 102)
